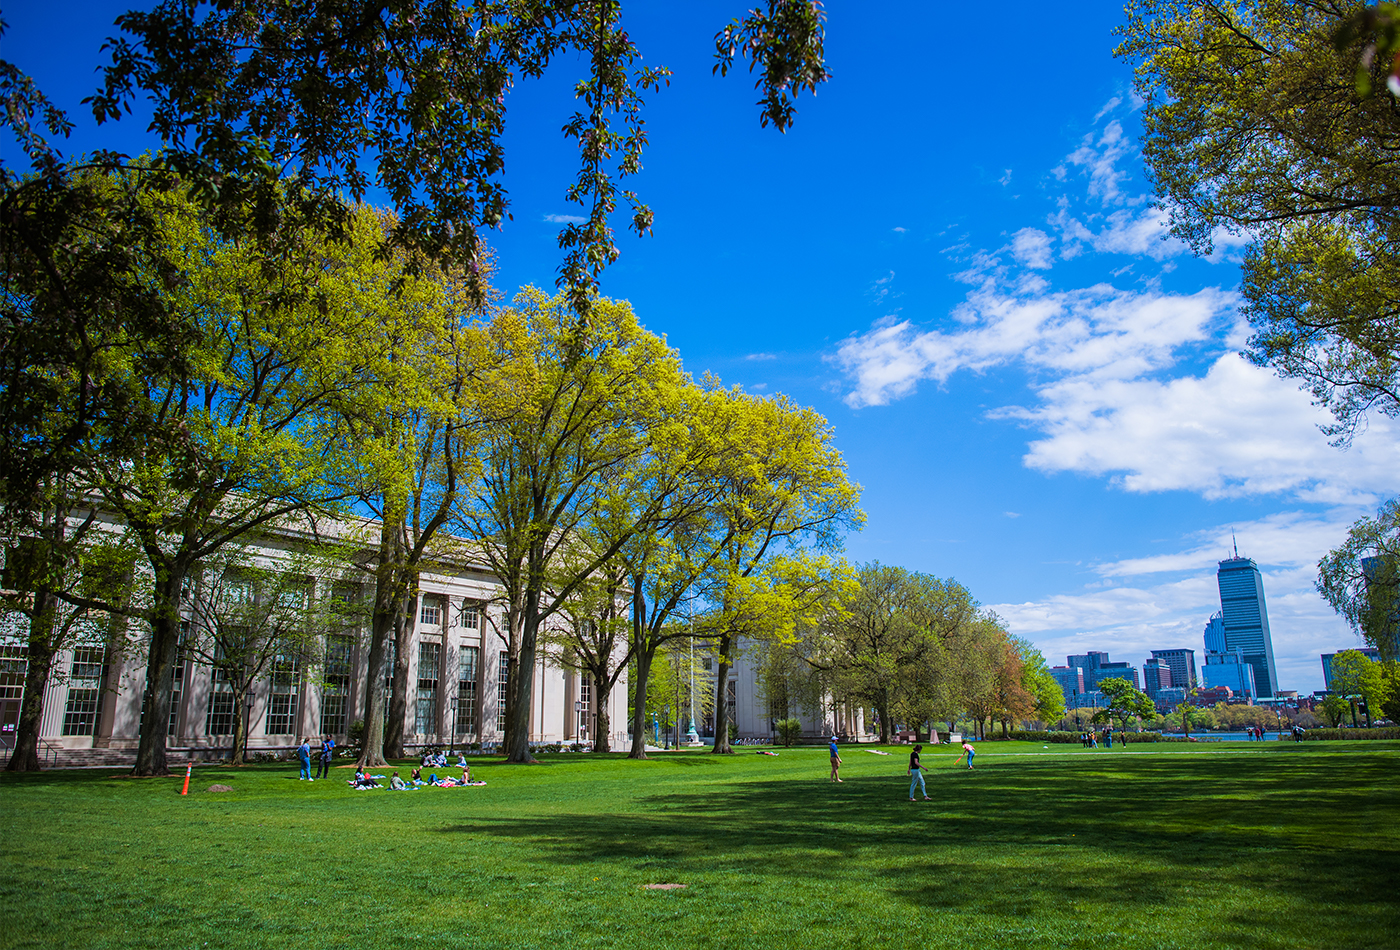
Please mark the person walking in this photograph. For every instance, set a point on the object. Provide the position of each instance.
(835, 761)
(916, 774)
(1108, 736)
(304, 755)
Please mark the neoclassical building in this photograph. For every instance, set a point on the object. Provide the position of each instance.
(456, 673)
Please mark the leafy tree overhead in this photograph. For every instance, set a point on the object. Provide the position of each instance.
(1253, 126)
(1361, 579)
(412, 95)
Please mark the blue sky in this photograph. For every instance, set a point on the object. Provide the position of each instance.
(954, 256)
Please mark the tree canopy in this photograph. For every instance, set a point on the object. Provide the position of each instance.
(1253, 126)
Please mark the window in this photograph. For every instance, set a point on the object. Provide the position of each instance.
(430, 615)
(429, 660)
(471, 615)
(84, 692)
(335, 693)
(218, 720)
(502, 681)
(466, 692)
(585, 696)
(14, 664)
(282, 702)
(177, 681)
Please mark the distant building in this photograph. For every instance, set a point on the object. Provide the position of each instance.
(1083, 673)
(1182, 664)
(1370, 653)
(1169, 697)
(1232, 671)
(1071, 680)
(1246, 620)
(1156, 675)
(1210, 695)
(1215, 633)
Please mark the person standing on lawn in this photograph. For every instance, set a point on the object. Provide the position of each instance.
(916, 774)
(323, 763)
(968, 751)
(304, 756)
(835, 761)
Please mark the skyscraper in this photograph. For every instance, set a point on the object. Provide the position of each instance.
(1182, 663)
(1246, 620)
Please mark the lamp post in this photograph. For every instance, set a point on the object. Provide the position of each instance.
(578, 716)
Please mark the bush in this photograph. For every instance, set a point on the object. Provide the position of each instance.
(1385, 732)
(788, 730)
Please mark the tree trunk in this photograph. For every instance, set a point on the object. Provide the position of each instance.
(722, 698)
(884, 710)
(25, 757)
(602, 724)
(396, 723)
(165, 640)
(639, 704)
(518, 691)
(381, 628)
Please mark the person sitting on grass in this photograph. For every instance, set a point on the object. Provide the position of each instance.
(417, 778)
(466, 774)
(396, 783)
(363, 780)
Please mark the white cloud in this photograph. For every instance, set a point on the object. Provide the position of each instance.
(565, 219)
(1031, 247)
(1012, 514)
(1005, 179)
(761, 356)
(1099, 331)
(899, 230)
(1099, 160)
(1108, 107)
(1123, 232)
(1237, 430)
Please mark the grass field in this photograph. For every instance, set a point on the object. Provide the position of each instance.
(1227, 845)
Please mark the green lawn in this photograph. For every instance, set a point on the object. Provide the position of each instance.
(1222, 845)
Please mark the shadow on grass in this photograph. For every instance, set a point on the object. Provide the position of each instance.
(1013, 838)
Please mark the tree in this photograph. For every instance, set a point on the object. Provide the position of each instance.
(1125, 702)
(1037, 681)
(238, 439)
(784, 495)
(64, 557)
(413, 93)
(1334, 709)
(575, 418)
(1361, 581)
(1357, 676)
(1253, 125)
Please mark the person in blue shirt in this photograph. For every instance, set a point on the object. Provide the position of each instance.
(835, 761)
(323, 766)
(304, 757)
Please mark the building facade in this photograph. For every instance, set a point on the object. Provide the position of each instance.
(458, 673)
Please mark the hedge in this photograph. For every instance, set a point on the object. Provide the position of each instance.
(1384, 732)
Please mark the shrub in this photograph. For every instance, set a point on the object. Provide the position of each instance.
(1385, 732)
(788, 730)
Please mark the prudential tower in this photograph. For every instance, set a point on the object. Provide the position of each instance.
(1247, 620)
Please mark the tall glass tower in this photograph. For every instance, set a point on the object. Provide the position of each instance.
(1247, 620)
